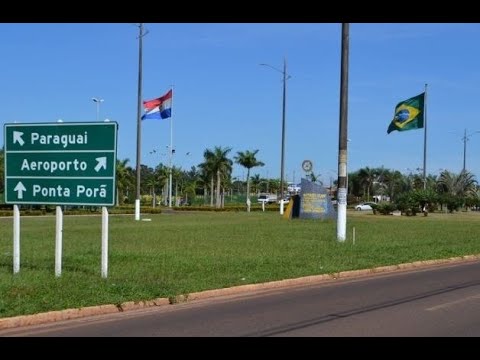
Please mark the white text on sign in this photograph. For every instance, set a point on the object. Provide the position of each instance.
(64, 140)
(60, 191)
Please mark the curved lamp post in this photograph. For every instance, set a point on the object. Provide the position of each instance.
(98, 101)
(465, 139)
(284, 98)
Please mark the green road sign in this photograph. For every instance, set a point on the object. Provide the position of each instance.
(60, 163)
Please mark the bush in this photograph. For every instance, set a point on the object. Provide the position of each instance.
(384, 208)
(407, 204)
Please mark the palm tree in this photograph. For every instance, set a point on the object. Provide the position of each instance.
(393, 181)
(203, 180)
(162, 175)
(367, 176)
(217, 162)
(208, 172)
(191, 179)
(274, 185)
(255, 182)
(124, 179)
(461, 185)
(177, 177)
(151, 182)
(248, 160)
(354, 185)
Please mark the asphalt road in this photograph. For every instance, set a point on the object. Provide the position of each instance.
(440, 301)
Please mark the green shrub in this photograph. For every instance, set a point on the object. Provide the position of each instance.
(384, 208)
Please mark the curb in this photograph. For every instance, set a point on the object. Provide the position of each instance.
(70, 314)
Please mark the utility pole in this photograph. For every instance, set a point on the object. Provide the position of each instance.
(139, 120)
(343, 139)
(465, 138)
(465, 150)
(284, 102)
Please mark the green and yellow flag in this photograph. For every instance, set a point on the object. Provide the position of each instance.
(408, 114)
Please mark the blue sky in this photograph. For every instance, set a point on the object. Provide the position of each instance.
(223, 97)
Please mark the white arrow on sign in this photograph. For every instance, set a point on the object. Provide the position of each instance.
(17, 137)
(20, 189)
(102, 163)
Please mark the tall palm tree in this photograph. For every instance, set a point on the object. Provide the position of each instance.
(178, 179)
(203, 181)
(152, 183)
(208, 171)
(367, 176)
(223, 167)
(248, 160)
(217, 163)
(162, 174)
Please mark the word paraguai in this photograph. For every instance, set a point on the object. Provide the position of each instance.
(64, 140)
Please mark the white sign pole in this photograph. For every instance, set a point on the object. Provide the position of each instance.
(137, 209)
(16, 239)
(58, 240)
(104, 242)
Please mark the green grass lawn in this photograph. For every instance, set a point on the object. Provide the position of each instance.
(185, 252)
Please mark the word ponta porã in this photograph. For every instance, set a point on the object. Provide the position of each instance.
(64, 191)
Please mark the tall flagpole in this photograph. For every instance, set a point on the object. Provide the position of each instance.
(425, 140)
(171, 154)
(139, 121)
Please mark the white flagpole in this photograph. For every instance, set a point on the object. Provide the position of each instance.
(171, 154)
(139, 120)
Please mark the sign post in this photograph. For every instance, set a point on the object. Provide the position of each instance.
(60, 164)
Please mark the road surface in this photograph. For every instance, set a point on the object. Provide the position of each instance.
(437, 301)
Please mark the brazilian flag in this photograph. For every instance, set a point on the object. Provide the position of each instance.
(408, 114)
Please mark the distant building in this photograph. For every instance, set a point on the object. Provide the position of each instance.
(378, 198)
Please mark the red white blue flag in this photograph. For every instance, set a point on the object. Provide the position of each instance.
(159, 108)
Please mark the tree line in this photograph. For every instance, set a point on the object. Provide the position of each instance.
(211, 183)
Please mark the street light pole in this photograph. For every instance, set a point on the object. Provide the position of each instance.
(282, 171)
(464, 149)
(284, 102)
(465, 139)
(98, 101)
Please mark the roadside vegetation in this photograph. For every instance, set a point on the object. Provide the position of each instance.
(212, 184)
